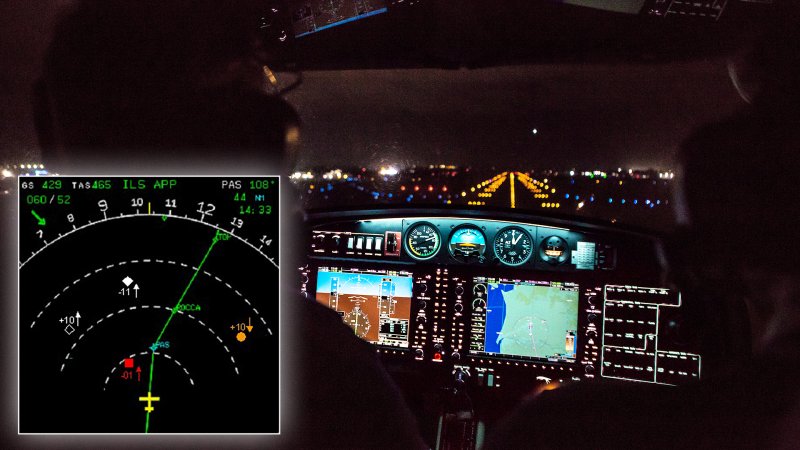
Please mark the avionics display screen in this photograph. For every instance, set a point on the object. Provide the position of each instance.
(310, 16)
(376, 304)
(525, 319)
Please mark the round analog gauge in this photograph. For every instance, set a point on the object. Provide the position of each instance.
(467, 241)
(358, 321)
(423, 241)
(513, 246)
(554, 250)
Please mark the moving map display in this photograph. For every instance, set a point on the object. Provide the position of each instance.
(375, 304)
(535, 320)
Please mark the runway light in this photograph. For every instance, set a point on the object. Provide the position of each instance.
(535, 131)
(388, 171)
(7, 173)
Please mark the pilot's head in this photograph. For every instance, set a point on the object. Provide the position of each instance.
(173, 82)
(737, 193)
(766, 69)
(738, 175)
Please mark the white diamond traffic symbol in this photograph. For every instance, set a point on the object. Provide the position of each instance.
(127, 281)
(69, 329)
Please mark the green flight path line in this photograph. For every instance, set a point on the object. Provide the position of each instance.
(174, 310)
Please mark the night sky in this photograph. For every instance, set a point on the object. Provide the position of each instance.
(585, 115)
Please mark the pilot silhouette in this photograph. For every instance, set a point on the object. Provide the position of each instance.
(737, 260)
(174, 86)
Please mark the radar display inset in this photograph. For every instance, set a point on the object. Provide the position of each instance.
(148, 305)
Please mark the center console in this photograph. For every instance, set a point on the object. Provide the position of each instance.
(498, 309)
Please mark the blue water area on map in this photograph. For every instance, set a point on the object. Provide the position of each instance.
(495, 315)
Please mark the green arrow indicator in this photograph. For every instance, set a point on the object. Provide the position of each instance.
(41, 220)
(164, 218)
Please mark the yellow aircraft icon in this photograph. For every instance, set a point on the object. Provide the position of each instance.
(149, 399)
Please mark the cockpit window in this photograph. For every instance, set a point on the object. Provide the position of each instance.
(589, 140)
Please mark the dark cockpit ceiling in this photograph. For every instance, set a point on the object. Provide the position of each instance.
(470, 33)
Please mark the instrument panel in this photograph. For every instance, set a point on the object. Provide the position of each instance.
(503, 307)
(472, 242)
